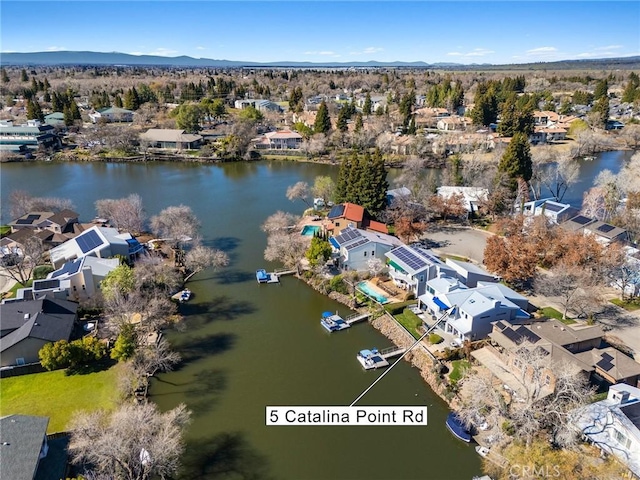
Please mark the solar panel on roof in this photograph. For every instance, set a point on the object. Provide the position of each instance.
(605, 365)
(553, 207)
(607, 357)
(88, 241)
(357, 243)
(605, 228)
(581, 220)
(336, 211)
(68, 268)
(28, 221)
(46, 284)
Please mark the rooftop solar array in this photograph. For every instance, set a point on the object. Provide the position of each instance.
(522, 333)
(347, 235)
(88, 241)
(605, 228)
(357, 243)
(411, 259)
(46, 284)
(68, 268)
(605, 364)
(28, 221)
(553, 207)
(581, 220)
(336, 211)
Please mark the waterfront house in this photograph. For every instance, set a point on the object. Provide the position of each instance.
(555, 211)
(27, 325)
(279, 140)
(603, 232)
(469, 273)
(611, 366)
(575, 340)
(101, 242)
(31, 135)
(24, 446)
(112, 114)
(170, 139)
(351, 215)
(412, 267)
(613, 424)
(354, 248)
(76, 280)
(56, 222)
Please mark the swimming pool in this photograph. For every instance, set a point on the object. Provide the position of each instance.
(364, 286)
(310, 230)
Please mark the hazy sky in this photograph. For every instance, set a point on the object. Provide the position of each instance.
(271, 31)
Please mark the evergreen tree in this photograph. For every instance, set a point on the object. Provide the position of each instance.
(3, 75)
(602, 89)
(580, 97)
(342, 182)
(296, 100)
(75, 111)
(630, 93)
(34, 85)
(341, 123)
(131, 100)
(411, 129)
(600, 112)
(516, 117)
(68, 116)
(117, 101)
(47, 97)
(23, 76)
(366, 109)
(516, 161)
(31, 110)
(46, 84)
(359, 124)
(373, 193)
(323, 121)
(485, 110)
(38, 111)
(56, 103)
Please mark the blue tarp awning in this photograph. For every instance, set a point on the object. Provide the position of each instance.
(334, 242)
(440, 303)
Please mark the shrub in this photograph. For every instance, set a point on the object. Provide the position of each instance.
(41, 271)
(337, 284)
(397, 308)
(63, 354)
(125, 345)
(434, 338)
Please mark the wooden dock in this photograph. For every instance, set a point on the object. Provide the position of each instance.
(357, 317)
(392, 352)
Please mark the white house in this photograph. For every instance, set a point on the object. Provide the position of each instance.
(259, 104)
(76, 280)
(469, 273)
(112, 114)
(555, 211)
(101, 242)
(354, 248)
(412, 267)
(613, 424)
(279, 140)
(475, 308)
(472, 197)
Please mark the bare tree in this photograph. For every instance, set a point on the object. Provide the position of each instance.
(558, 176)
(177, 224)
(22, 202)
(279, 221)
(135, 442)
(288, 248)
(125, 214)
(299, 191)
(152, 274)
(564, 282)
(19, 266)
(201, 257)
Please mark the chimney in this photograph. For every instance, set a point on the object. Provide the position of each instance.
(26, 316)
(620, 396)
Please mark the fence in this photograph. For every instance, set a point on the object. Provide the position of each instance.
(14, 371)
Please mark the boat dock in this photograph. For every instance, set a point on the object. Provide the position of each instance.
(357, 317)
(334, 322)
(375, 358)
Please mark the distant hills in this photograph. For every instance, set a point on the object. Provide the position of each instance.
(125, 59)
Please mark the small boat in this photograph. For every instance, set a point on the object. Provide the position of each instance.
(185, 295)
(332, 322)
(482, 451)
(262, 276)
(588, 158)
(457, 428)
(371, 359)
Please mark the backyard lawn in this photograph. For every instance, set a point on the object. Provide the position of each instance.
(410, 321)
(56, 395)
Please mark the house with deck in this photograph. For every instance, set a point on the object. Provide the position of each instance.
(101, 242)
(279, 140)
(354, 248)
(411, 268)
(170, 139)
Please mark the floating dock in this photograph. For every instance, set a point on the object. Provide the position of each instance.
(374, 358)
(263, 277)
(332, 322)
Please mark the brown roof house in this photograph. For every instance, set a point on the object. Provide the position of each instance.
(170, 139)
(350, 214)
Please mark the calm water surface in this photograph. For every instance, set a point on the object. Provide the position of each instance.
(247, 346)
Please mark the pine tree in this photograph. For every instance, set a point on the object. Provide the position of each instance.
(342, 182)
(75, 111)
(485, 110)
(117, 101)
(373, 183)
(34, 85)
(602, 89)
(68, 116)
(56, 103)
(341, 123)
(38, 111)
(630, 93)
(131, 100)
(516, 161)
(366, 109)
(359, 124)
(31, 110)
(323, 121)
(47, 85)
(23, 76)
(4, 76)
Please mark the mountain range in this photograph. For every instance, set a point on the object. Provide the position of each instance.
(125, 59)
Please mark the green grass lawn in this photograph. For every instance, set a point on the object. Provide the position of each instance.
(410, 321)
(55, 395)
(459, 367)
(551, 312)
(629, 305)
(4, 230)
(12, 292)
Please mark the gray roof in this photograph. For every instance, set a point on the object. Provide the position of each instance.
(169, 135)
(21, 438)
(612, 361)
(561, 334)
(468, 267)
(49, 319)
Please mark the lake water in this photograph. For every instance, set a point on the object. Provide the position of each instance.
(248, 346)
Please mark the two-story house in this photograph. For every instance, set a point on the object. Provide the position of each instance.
(352, 215)
(354, 248)
(555, 211)
(412, 267)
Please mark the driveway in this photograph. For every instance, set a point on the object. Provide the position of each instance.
(458, 240)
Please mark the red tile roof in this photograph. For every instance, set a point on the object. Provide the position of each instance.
(353, 212)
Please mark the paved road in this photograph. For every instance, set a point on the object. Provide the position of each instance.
(462, 241)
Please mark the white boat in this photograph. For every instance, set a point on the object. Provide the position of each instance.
(185, 295)
(482, 451)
